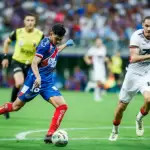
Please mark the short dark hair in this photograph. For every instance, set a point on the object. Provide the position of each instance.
(147, 17)
(29, 14)
(59, 29)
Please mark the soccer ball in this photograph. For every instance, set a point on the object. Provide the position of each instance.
(60, 138)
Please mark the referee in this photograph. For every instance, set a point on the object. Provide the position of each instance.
(26, 39)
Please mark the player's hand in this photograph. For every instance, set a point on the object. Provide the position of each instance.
(37, 82)
(89, 62)
(69, 43)
(5, 63)
(107, 59)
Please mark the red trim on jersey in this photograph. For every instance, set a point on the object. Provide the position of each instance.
(133, 46)
(39, 55)
(45, 62)
(55, 53)
(20, 94)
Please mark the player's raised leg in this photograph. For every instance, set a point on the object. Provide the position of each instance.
(10, 107)
(143, 112)
(60, 109)
(117, 119)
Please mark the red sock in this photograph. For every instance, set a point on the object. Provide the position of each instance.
(57, 118)
(143, 112)
(116, 122)
(6, 108)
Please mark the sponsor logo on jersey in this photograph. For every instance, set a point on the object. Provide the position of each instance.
(27, 52)
(52, 62)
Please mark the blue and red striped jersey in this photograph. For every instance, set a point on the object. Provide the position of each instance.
(49, 54)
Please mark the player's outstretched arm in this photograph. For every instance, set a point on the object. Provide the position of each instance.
(6, 45)
(35, 69)
(5, 52)
(135, 57)
(67, 44)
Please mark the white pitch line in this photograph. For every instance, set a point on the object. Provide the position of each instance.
(22, 135)
(76, 139)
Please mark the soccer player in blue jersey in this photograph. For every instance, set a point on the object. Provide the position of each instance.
(40, 79)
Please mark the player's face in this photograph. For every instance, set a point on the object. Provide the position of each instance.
(55, 38)
(98, 42)
(146, 26)
(29, 22)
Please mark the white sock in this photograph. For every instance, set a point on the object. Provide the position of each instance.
(97, 93)
(115, 129)
(139, 116)
(90, 85)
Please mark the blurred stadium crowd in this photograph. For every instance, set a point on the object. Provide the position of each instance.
(112, 20)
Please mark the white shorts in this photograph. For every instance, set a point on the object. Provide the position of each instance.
(99, 75)
(132, 84)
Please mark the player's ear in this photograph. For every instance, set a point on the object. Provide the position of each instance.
(143, 25)
(51, 33)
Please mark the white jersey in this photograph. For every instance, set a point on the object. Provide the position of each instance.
(138, 75)
(138, 39)
(98, 58)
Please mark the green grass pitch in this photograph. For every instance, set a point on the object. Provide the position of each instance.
(87, 122)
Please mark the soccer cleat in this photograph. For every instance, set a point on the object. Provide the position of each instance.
(48, 139)
(139, 128)
(7, 115)
(113, 136)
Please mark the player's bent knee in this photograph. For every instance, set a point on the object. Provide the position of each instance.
(57, 101)
(19, 84)
(16, 108)
(17, 104)
(148, 100)
(147, 96)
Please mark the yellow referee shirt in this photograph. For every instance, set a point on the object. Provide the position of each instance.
(25, 45)
(116, 66)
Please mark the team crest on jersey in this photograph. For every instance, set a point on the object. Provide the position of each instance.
(21, 43)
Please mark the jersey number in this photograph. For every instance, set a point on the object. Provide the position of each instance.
(35, 90)
(146, 51)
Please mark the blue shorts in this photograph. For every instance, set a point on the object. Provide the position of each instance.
(28, 91)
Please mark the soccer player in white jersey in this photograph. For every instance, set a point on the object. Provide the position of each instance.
(137, 79)
(96, 55)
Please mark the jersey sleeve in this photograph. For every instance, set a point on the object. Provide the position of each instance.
(43, 47)
(90, 52)
(42, 37)
(134, 40)
(12, 36)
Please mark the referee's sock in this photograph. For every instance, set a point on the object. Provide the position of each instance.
(14, 93)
